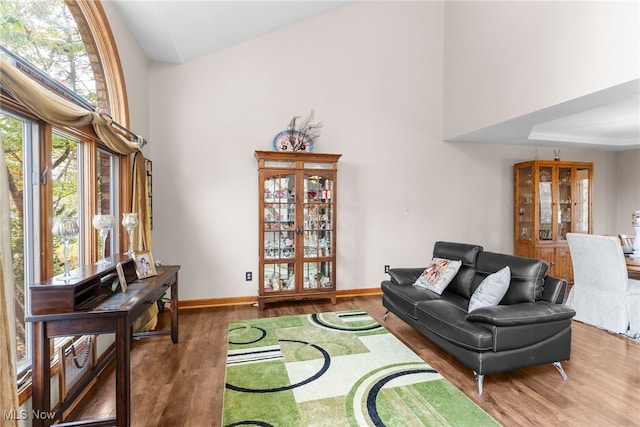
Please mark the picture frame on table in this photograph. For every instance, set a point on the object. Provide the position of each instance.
(121, 277)
(145, 267)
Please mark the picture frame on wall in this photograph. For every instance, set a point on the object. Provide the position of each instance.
(145, 267)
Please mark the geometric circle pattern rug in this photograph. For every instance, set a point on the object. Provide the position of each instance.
(335, 369)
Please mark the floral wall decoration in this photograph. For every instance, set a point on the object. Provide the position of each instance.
(300, 135)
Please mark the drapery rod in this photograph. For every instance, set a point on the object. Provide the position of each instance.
(33, 71)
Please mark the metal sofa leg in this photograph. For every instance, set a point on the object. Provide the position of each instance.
(559, 368)
(479, 380)
(384, 317)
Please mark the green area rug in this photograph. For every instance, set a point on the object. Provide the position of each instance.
(335, 369)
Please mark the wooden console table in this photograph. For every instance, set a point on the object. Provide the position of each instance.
(113, 314)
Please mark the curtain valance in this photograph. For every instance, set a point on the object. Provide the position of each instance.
(56, 110)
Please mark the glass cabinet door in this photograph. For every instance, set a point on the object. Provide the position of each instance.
(279, 277)
(582, 200)
(545, 203)
(279, 233)
(317, 231)
(317, 275)
(564, 218)
(525, 213)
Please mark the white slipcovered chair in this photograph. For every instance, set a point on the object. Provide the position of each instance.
(602, 294)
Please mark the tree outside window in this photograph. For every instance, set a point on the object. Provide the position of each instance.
(13, 137)
(45, 33)
(66, 197)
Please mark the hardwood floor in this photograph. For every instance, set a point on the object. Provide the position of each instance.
(182, 384)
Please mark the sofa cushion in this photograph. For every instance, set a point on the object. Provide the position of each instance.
(530, 313)
(438, 274)
(491, 291)
(448, 320)
(405, 276)
(462, 284)
(527, 275)
(406, 297)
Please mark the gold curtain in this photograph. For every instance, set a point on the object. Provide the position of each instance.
(54, 109)
(141, 204)
(8, 386)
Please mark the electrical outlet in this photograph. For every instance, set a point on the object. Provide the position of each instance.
(386, 268)
(248, 276)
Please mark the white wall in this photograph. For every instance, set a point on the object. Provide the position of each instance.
(506, 59)
(627, 190)
(373, 73)
(135, 68)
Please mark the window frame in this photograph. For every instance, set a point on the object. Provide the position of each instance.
(100, 44)
(114, 201)
(31, 213)
(38, 202)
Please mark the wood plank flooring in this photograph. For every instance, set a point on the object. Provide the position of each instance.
(182, 384)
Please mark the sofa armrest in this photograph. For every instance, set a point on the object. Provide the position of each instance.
(554, 289)
(405, 276)
(521, 314)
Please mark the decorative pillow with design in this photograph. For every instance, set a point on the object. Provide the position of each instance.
(491, 290)
(438, 274)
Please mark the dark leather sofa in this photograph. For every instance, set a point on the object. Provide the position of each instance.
(530, 326)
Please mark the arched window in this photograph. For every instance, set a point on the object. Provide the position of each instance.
(93, 24)
(72, 42)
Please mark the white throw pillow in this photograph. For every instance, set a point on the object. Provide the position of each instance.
(492, 289)
(438, 274)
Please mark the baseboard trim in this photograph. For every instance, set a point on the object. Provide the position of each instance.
(250, 300)
(358, 292)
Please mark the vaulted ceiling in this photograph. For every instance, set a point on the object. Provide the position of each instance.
(175, 31)
(179, 31)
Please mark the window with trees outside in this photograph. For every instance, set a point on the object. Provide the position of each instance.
(55, 37)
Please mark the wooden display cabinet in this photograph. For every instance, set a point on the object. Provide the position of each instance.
(297, 194)
(551, 198)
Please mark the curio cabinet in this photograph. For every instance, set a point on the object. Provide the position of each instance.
(297, 194)
(551, 198)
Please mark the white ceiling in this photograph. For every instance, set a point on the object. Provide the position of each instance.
(604, 120)
(176, 31)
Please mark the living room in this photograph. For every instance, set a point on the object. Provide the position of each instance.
(391, 82)
(398, 87)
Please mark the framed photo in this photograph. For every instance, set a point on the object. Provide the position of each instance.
(145, 266)
(121, 277)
